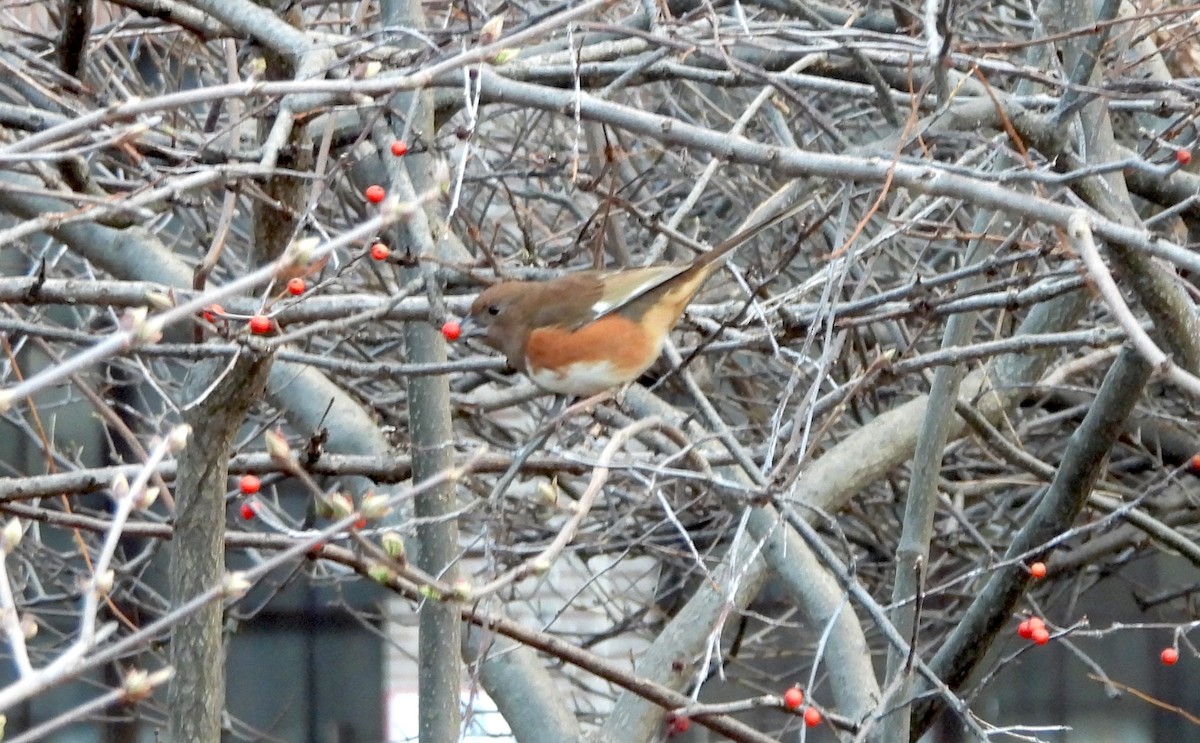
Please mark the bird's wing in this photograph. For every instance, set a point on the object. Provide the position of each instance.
(623, 287)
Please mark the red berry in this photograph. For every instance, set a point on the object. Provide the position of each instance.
(315, 550)
(680, 724)
(248, 510)
(249, 484)
(399, 148)
(1169, 656)
(380, 252)
(1194, 464)
(451, 330)
(1036, 623)
(1024, 629)
(1040, 636)
(295, 286)
(375, 194)
(360, 524)
(812, 717)
(1038, 570)
(260, 324)
(793, 698)
(1183, 157)
(212, 312)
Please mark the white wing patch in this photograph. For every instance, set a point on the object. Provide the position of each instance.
(652, 280)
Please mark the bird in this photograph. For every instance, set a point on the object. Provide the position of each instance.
(593, 330)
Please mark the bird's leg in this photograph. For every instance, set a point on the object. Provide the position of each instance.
(565, 409)
(584, 405)
(619, 395)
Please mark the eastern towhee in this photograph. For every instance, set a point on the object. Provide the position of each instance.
(589, 331)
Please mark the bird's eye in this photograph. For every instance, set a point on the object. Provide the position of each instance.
(493, 309)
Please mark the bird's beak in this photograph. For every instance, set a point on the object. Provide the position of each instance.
(469, 328)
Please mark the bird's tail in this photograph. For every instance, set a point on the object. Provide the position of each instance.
(740, 238)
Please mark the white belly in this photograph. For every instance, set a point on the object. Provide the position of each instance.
(581, 379)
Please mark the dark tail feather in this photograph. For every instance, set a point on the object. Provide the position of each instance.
(736, 240)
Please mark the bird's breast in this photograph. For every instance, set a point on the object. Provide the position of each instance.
(602, 354)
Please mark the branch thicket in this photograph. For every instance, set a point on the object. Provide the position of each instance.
(852, 452)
